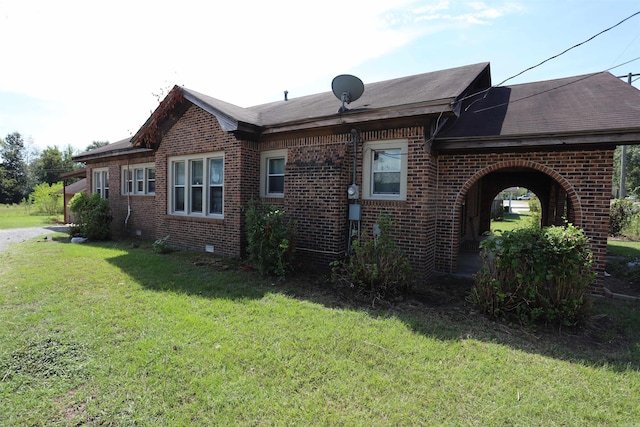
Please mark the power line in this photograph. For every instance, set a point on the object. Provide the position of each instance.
(567, 50)
(485, 91)
(555, 88)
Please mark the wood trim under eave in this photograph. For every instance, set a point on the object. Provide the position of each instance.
(356, 118)
(556, 142)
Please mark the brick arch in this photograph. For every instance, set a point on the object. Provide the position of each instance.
(571, 193)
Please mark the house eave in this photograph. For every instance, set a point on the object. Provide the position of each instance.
(551, 141)
(358, 116)
(110, 154)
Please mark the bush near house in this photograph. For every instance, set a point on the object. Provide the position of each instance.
(271, 239)
(534, 275)
(377, 269)
(93, 216)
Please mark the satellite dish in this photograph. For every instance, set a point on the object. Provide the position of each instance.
(347, 88)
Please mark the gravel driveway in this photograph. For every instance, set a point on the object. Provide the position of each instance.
(17, 235)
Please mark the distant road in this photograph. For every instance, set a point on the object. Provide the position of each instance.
(17, 235)
(517, 205)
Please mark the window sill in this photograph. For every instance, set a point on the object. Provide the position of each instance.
(189, 218)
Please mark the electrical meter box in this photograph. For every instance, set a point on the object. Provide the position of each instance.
(355, 212)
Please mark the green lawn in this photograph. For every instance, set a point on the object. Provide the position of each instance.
(512, 221)
(113, 334)
(18, 216)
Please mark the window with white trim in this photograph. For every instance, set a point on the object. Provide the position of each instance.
(100, 182)
(196, 185)
(385, 170)
(139, 180)
(272, 164)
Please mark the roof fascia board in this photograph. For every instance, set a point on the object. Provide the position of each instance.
(620, 137)
(353, 117)
(108, 154)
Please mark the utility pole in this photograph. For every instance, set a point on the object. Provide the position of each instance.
(623, 154)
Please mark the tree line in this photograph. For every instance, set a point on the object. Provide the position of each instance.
(23, 168)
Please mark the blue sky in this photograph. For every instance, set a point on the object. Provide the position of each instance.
(75, 71)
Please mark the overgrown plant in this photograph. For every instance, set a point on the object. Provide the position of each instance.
(271, 239)
(620, 216)
(377, 269)
(534, 275)
(93, 216)
(46, 198)
(161, 246)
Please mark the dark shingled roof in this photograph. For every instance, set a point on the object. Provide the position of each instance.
(124, 146)
(590, 103)
(436, 88)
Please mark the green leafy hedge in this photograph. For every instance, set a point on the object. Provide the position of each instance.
(534, 275)
(93, 216)
(271, 239)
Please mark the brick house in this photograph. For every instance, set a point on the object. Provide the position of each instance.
(431, 150)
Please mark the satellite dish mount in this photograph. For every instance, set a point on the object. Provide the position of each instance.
(347, 88)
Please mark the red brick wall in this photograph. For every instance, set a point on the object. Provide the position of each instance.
(584, 175)
(142, 217)
(199, 132)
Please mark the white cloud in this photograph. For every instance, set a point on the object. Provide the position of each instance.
(101, 61)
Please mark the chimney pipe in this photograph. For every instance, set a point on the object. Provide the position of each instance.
(286, 92)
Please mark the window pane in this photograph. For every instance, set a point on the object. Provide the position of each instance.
(387, 160)
(178, 199)
(178, 173)
(386, 182)
(215, 200)
(275, 184)
(151, 181)
(276, 166)
(140, 180)
(196, 172)
(196, 199)
(216, 172)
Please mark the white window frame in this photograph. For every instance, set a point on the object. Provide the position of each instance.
(367, 168)
(131, 178)
(100, 182)
(206, 185)
(265, 156)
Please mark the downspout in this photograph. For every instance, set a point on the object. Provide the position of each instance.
(126, 220)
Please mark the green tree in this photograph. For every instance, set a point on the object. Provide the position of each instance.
(632, 177)
(13, 169)
(96, 144)
(52, 163)
(46, 198)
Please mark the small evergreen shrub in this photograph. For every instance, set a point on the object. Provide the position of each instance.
(271, 239)
(534, 275)
(93, 216)
(377, 269)
(620, 215)
(161, 246)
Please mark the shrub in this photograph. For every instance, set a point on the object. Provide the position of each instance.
(620, 215)
(534, 275)
(271, 239)
(161, 246)
(93, 216)
(377, 269)
(46, 198)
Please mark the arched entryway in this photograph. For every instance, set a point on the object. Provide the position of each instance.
(558, 200)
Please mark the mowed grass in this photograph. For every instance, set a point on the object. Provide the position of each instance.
(109, 334)
(512, 221)
(18, 216)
